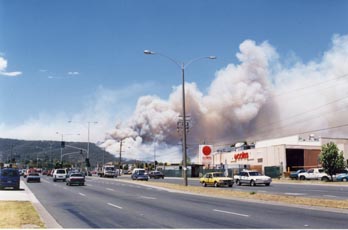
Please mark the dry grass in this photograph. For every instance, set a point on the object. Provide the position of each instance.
(19, 214)
(231, 193)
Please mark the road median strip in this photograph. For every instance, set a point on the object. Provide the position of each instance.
(229, 193)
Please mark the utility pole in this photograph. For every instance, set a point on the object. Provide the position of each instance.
(120, 161)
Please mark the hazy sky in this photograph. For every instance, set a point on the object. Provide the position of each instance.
(83, 60)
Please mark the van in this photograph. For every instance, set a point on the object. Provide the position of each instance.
(59, 174)
(139, 174)
(138, 170)
(9, 177)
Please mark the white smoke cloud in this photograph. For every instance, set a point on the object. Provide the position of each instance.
(3, 67)
(250, 100)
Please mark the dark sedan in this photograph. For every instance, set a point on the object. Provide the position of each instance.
(156, 175)
(75, 178)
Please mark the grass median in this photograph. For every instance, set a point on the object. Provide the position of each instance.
(19, 214)
(231, 193)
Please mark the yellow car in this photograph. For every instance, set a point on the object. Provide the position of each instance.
(216, 179)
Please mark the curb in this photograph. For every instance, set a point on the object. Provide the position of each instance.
(45, 216)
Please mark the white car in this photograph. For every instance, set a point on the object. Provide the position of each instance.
(252, 178)
(59, 174)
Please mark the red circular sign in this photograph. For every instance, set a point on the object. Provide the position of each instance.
(206, 150)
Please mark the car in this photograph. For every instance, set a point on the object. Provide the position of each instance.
(139, 174)
(9, 177)
(75, 178)
(342, 177)
(59, 174)
(294, 175)
(33, 177)
(156, 175)
(216, 179)
(252, 178)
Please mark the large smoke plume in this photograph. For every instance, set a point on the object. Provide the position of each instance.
(255, 99)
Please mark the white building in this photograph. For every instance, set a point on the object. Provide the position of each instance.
(289, 153)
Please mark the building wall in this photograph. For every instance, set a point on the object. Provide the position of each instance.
(273, 152)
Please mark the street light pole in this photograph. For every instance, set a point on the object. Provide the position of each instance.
(182, 66)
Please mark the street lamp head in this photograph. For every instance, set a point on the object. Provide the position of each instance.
(148, 52)
(212, 57)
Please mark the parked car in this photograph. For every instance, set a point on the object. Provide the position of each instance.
(75, 178)
(59, 174)
(139, 174)
(294, 175)
(342, 177)
(33, 177)
(252, 178)
(314, 174)
(156, 175)
(216, 179)
(9, 177)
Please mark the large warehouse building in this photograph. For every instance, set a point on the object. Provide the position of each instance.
(288, 153)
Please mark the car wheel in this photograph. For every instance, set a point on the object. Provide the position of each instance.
(67, 183)
(344, 179)
(83, 184)
(326, 179)
(252, 183)
(230, 185)
(238, 183)
(216, 184)
(302, 177)
(204, 184)
(267, 184)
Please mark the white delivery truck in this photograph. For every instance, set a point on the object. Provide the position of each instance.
(107, 171)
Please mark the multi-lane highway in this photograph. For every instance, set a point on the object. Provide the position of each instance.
(114, 203)
(324, 191)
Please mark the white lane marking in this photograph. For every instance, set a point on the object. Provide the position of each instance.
(294, 194)
(65, 188)
(232, 213)
(148, 197)
(110, 189)
(330, 196)
(115, 206)
(82, 194)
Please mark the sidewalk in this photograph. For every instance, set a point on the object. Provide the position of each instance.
(24, 194)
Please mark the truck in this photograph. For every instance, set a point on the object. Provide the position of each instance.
(107, 171)
(251, 178)
(314, 174)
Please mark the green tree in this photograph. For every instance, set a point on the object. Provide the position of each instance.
(331, 159)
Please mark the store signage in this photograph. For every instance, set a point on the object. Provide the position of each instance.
(241, 156)
(205, 154)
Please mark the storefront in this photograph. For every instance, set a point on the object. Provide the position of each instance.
(288, 153)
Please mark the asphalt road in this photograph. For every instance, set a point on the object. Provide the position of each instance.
(113, 203)
(329, 191)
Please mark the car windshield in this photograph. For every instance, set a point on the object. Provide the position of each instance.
(218, 175)
(33, 174)
(109, 168)
(10, 173)
(61, 171)
(254, 174)
(76, 175)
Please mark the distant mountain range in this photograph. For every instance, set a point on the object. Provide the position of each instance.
(41, 152)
